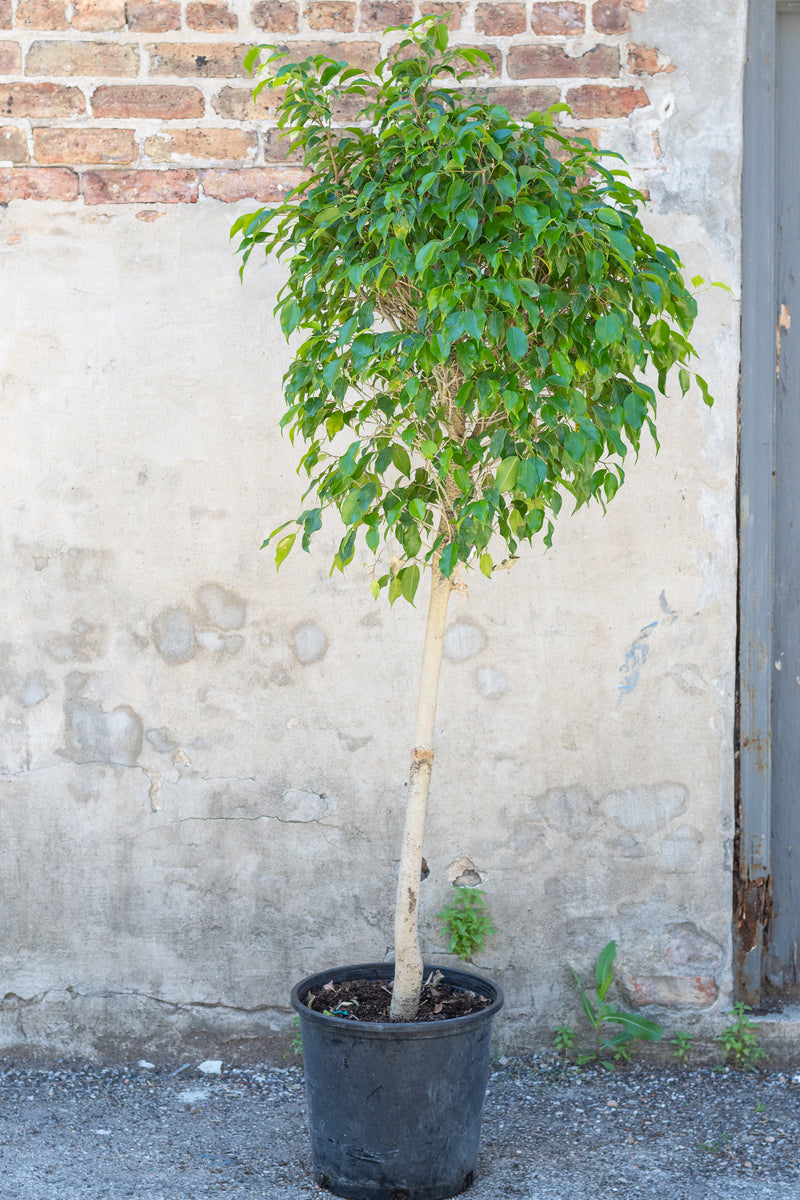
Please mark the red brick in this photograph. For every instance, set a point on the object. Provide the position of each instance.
(10, 58)
(13, 145)
(6, 21)
(215, 145)
(140, 187)
(610, 16)
(551, 62)
(237, 104)
(266, 184)
(211, 18)
(81, 58)
(276, 149)
(198, 59)
(169, 102)
(153, 16)
(42, 14)
(331, 14)
(567, 19)
(84, 146)
(37, 183)
(358, 54)
(522, 100)
(643, 60)
(346, 109)
(276, 17)
(500, 20)
(97, 16)
(40, 100)
(451, 14)
(594, 100)
(378, 14)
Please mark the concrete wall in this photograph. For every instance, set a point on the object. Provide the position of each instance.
(202, 764)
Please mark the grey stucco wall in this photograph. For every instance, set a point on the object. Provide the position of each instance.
(202, 764)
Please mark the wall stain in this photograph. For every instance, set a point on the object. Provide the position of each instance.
(634, 661)
(220, 608)
(92, 735)
(174, 636)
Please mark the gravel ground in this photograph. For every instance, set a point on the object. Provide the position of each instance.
(178, 1133)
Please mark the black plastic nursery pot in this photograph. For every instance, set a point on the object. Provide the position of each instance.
(395, 1108)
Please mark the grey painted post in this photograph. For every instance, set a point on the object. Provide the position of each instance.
(756, 492)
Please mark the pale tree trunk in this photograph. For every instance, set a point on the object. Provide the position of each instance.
(408, 956)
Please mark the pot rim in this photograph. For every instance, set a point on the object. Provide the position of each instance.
(397, 1029)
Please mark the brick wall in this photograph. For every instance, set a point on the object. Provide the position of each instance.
(147, 101)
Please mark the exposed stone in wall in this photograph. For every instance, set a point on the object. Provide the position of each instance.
(68, 70)
(672, 991)
(462, 872)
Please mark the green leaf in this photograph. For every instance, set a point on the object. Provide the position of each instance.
(487, 566)
(410, 582)
(283, 547)
(531, 475)
(635, 410)
(604, 970)
(426, 254)
(517, 342)
(707, 397)
(659, 334)
(328, 215)
(608, 328)
(411, 540)
(609, 216)
(448, 559)
(588, 1010)
(684, 380)
(621, 244)
(635, 1025)
(334, 423)
(507, 473)
(401, 459)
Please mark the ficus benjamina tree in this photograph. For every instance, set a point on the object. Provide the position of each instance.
(480, 307)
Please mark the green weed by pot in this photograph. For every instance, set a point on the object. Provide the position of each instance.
(465, 923)
(682, 1042)
(739, 1040)
(614, 1028)
(564, 1040)
(296, 1042)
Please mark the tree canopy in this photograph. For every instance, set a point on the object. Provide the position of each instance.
(478, 302)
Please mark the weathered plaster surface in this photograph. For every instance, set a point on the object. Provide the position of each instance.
(202, 764)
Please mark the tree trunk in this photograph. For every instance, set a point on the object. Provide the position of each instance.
(408, 956)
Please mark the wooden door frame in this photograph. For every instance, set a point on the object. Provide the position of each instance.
(752, 882)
